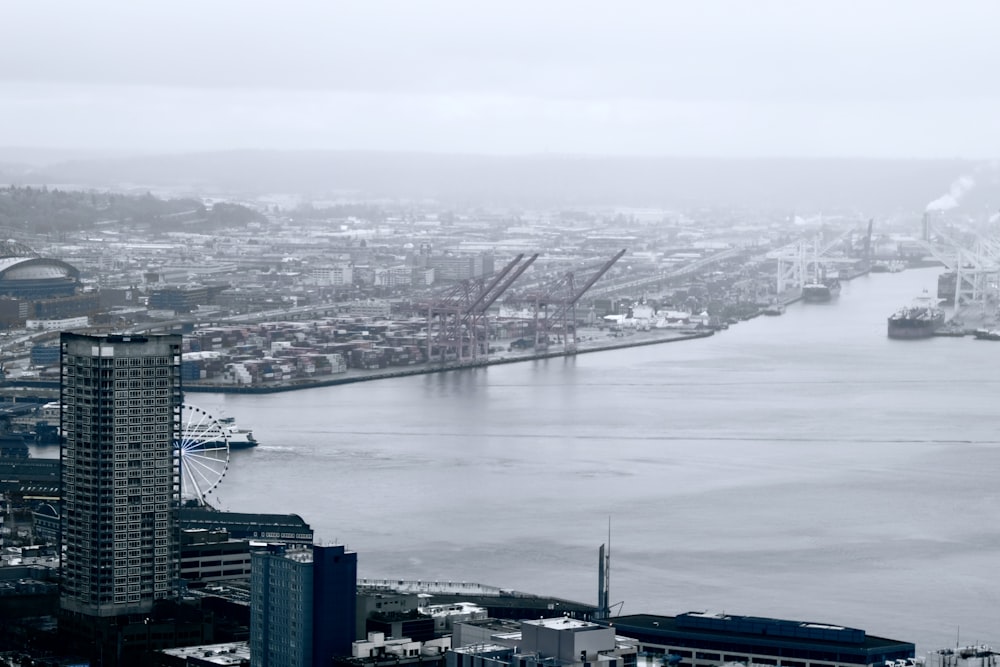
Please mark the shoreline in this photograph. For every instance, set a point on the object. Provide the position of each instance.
(428, 368)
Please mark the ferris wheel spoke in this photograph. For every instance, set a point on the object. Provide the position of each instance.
(190, 483)
(200, 483)
(208, 467)
(199, 473)
(214, 458)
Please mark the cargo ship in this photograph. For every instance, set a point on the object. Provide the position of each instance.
(918, 320)
(820, 290)
(987, 334)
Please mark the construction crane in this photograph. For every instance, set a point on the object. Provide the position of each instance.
(476, 313)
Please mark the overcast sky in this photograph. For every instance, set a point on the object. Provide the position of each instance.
(866, 78)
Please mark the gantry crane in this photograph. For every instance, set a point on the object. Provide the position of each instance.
(562, 296)
(456, 317)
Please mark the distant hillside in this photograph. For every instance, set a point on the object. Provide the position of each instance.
(41, 210)
(867, 186)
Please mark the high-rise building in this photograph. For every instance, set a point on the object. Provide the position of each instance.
(302, 601)
(121, 413)
(281, 607)
(335, 592)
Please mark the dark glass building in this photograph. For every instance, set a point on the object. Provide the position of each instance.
(335, 584)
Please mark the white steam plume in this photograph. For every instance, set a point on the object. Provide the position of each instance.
(950, 200)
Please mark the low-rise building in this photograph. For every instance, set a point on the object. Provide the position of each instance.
(563, 641)
(209, 556)
(447, 615)
(376, 650)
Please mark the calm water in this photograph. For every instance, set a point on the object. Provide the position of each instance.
(803, 466)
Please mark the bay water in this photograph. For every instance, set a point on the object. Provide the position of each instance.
(802, 466)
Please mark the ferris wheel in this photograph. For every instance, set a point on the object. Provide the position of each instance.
(203, 449)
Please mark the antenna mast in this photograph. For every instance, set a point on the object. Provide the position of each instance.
(604, 578)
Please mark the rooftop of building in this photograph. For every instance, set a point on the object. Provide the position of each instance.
(204, 515)
(452, 608)
(301, 555)
(525, 605)
(496, 625)
(563, 623)
(752, 628)
(433, 587)
(483, 649)
(236, 592)
(233, 653)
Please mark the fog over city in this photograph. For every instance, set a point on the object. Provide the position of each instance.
(885, 79)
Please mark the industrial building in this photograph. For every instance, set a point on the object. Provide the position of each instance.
(449, 267)
(184, 298)
(704, 639)
(564, 641)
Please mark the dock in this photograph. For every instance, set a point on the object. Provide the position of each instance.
(638, 339)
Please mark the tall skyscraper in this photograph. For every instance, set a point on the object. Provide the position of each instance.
(121, 413)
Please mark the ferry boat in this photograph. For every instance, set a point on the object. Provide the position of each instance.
(238, 438)
(45, 429)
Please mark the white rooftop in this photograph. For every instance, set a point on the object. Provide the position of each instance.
(233, 653)
(562, 623)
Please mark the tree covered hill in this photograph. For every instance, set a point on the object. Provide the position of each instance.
(39, 210)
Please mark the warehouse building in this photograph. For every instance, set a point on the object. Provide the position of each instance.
(704, 639)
